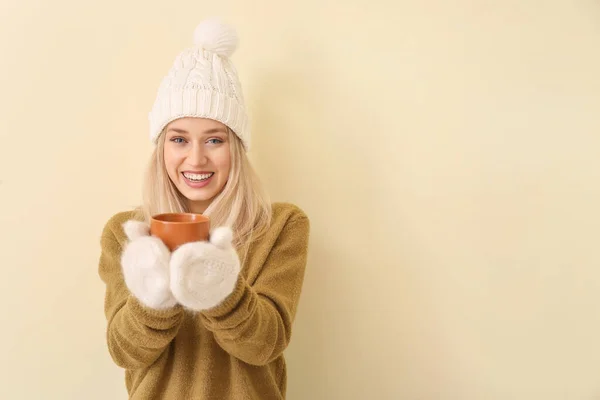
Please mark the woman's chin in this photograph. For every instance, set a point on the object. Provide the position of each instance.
(195, 196)
(201, 195)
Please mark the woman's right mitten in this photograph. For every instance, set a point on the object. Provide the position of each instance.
(145, 262)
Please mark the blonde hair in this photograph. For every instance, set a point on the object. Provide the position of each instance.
(243, 204)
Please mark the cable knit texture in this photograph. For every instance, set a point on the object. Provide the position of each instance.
(203, 82)
(233, 350)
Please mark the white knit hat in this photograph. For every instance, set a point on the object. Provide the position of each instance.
(203, 83)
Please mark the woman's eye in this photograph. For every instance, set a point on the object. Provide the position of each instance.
(177, 140)
(215, 141)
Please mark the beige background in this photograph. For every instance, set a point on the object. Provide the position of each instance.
(446, 152)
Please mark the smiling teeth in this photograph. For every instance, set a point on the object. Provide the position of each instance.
(198, 177)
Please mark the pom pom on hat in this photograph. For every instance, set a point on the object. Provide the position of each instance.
(213, 35)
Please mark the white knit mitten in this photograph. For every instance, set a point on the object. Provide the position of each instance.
(203, 274)
(145, 262)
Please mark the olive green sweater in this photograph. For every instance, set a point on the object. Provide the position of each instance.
(233, 351)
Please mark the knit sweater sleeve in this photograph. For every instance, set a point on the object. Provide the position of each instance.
(254, 324)
(136, 335)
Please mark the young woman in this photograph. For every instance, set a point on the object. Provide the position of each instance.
(212, 319)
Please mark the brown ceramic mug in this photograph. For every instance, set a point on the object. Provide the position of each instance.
(175, 229)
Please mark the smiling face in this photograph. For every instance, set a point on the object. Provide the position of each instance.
(197, 159)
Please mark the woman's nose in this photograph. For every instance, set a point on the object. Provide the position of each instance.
(197, 156)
